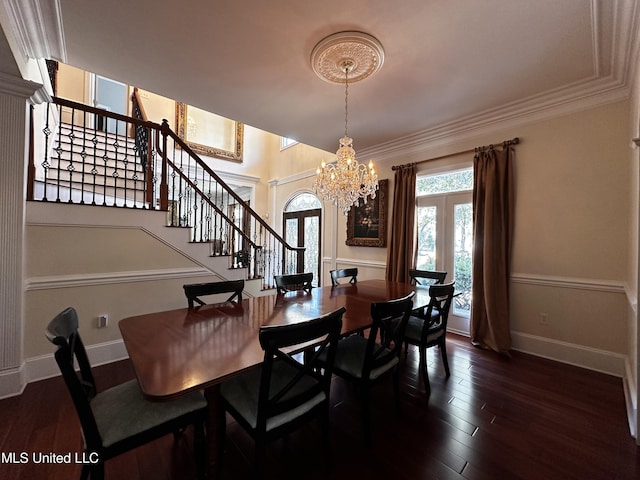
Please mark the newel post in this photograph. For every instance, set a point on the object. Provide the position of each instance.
(164, 186)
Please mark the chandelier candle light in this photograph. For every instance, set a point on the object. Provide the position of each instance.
(357, 54)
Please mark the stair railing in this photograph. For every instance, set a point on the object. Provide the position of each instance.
(201, 200)
(103, 158)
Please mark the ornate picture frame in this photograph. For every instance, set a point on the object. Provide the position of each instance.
(227, 141)
(367, 223)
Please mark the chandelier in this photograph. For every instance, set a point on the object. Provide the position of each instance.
(346, 181)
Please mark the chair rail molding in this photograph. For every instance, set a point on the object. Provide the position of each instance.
(614, 286)
(67, 281)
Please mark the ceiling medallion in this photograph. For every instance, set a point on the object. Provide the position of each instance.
(364, 52)
(340, 58)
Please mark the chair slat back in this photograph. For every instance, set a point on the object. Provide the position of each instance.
(390, 332)
(440, 299)
(294, 282)
(63, 332)
(194, 291)
(278, 342)
(427, 277)
(344, 273)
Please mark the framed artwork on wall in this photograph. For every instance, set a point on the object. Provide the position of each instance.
(367, 222)
(209, 134)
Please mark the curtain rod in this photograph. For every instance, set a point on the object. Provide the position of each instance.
(506, 143)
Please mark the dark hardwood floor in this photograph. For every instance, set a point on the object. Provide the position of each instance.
(494, 418)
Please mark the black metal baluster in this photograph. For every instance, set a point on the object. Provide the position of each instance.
(83, 155)
(70, 167)
(45, 163)
(115, 175)
(105, 162)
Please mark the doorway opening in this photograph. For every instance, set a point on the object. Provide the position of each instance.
(301, 225)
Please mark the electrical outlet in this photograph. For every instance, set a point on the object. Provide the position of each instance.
(103, 321)
(544, 318)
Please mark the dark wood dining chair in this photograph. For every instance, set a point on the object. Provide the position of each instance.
(118, 419)
(365, 362)
(429, 328)
(294, 282)
(427, 277)
(283, 393)
(194, 291)
(351, 273)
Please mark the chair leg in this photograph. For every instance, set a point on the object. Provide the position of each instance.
(443, 352)
(366, 424)
(396, 389)
(423, 368)
(326, 440)
(221, 434)
(201, 450)
(96, 472)
(84, 475)
(260, 454)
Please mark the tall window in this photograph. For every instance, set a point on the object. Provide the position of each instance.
(445, 232)
(301, 220)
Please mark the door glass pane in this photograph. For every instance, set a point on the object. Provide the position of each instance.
(426, 238)
(291, 232)
(462, 256)
(304, 201)
(311, 243)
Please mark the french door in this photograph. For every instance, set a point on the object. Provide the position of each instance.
(445, 242)
(302, 229)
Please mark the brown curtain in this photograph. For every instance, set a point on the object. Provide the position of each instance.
(493, 229)
(400, 250)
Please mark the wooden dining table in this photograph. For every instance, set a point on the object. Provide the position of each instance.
(179, 351)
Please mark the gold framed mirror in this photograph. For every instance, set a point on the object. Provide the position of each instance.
(209, 134)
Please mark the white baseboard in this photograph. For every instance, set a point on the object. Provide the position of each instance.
(12, 382)
(33, 369)
(570, 353)
(631, 399)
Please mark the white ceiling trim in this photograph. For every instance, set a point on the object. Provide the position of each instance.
(37, 26)
(587, 93)
(534, 109)
(18, 87)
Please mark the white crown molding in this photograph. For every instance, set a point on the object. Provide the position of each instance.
(610, 83)
(18, 87)
(37, 27)
(238, 178)
(536, 108)
(292, 178)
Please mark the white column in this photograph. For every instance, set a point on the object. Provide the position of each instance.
(14, 137)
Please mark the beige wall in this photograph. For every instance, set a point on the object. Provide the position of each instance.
(72, 83)
(118, 300)
(303, 159)
(572, 191)
(71, 250)
(258, 148)
(97, 270)
(634, 239)
(572, 236)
